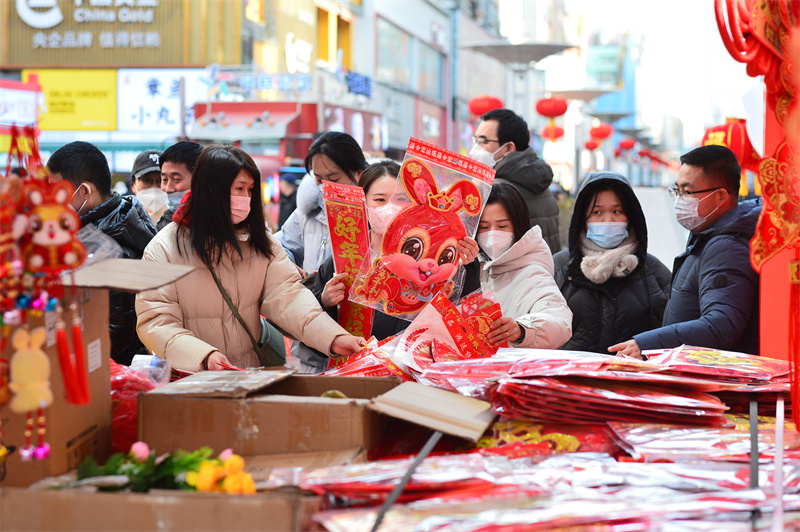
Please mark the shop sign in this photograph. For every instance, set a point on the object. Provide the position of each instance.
(150, 98)
(19, 104)
(77, 100)
(115, 31)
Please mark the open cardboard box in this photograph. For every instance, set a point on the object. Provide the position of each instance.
(22, 509)
(73, 431)
(267, 412)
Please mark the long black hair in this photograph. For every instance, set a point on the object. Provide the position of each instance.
(209, 210)
(340, 148)
(512, 201)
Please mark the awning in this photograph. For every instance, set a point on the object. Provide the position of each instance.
(248, 126)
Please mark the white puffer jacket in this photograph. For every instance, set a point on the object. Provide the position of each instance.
(186, 320)
(304, 235)
(523, 285)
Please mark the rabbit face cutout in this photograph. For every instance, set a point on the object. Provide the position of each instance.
(420, 246)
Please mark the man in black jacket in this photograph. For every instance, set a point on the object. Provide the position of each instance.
(714, 297)
(123, 218)
(502, 141)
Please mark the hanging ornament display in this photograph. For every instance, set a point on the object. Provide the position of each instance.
(30, 383)
(552, 108)
(764, 36)
(591, 145)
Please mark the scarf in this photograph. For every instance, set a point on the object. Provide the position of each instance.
(599, 264)
(180, 215)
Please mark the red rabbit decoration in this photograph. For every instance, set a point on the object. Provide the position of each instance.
(419, 253)
(51, 246)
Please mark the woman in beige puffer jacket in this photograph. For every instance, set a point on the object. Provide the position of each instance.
(220, 225)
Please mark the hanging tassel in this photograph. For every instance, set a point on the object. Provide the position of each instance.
(80, 354)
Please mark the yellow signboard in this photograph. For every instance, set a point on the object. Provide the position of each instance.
(77, 100)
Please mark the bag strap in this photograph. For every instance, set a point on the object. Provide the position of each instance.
(227, 299)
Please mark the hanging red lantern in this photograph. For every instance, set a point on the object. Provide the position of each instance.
(480, 105)
(552, 107)
(617, 152)
(645, 153)
(626, 144)
(603, 131)
(733, 135)
(591, 145)
(552, 133)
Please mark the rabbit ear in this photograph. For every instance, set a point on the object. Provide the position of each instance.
(37, 337)
(20, 339)
(62, 191)
(466, 196)
(418, 181)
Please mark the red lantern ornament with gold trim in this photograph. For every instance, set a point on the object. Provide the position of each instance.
(551, 108)
(733, 135)
(480, 105)
(552, 133)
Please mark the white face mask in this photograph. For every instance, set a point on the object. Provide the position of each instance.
(480, 154)
(686, 212)
(240, 208)
(381, 217)
(78, 212)
(495, 243)
(607, 235)
(173, 199)
(152, 198)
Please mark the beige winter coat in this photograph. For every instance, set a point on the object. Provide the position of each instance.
(187, 320)
(523, 285)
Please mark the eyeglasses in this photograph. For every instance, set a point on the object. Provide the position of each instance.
(480, 141)
(678, 193)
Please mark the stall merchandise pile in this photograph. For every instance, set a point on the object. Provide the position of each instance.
(584, 442)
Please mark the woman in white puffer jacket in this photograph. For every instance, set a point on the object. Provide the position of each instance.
(519, 272)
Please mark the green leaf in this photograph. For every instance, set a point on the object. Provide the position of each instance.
(89, 468)
(114, 464)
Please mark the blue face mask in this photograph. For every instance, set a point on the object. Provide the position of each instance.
(607, 235)
(173, 199)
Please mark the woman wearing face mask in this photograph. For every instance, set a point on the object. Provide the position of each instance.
(334, 157)
(614, 288)
(383, 203)
(221, 232)
(519, 273)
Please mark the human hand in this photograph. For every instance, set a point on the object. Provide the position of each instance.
(629, 349)
(334, 290)
(468, 249)
(504, 330)
(213, 361)
(301, 271)
(345, 345)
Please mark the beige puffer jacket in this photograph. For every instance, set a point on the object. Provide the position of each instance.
(187, 320)
(523, 285)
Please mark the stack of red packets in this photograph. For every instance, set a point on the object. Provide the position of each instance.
(441, 332)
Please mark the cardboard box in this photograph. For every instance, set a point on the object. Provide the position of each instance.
(73, 431)
(262, 412)
(22, 509)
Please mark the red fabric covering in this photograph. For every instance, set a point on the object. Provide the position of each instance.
(125, 386)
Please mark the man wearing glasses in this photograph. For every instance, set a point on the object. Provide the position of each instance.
(714, 297)
(502, 141)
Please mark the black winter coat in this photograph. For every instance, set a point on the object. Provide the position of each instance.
(124, 219)
(714, 299)
(604, 315)
(532, 177)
